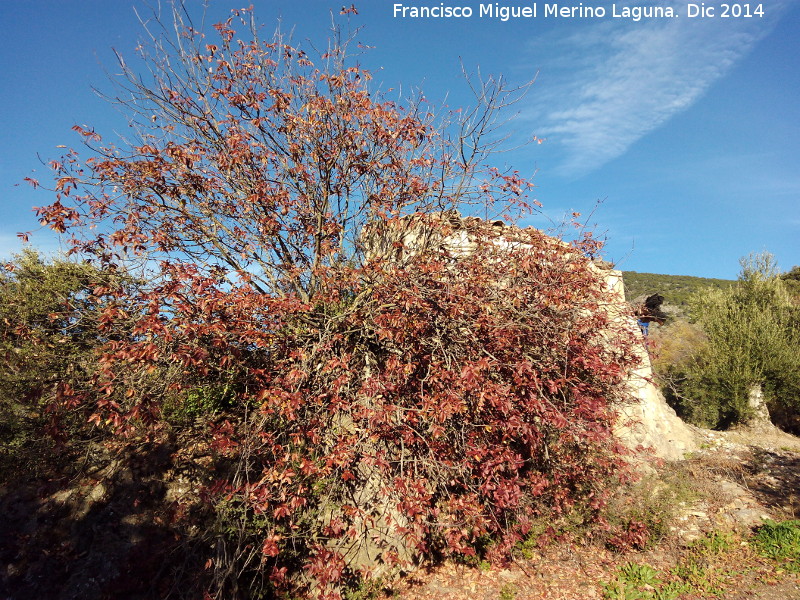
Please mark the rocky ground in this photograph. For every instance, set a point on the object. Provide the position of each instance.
(739, 478)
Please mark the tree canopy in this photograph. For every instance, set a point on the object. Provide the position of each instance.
(374, 400)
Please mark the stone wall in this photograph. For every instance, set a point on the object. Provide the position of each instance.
(648, 421)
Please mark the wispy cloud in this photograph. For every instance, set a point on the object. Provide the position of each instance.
(617, 80)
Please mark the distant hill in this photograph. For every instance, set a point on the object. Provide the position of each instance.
(676, 289)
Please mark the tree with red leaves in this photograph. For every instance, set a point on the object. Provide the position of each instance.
(399, 382)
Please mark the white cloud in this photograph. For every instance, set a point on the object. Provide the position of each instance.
(617, 80)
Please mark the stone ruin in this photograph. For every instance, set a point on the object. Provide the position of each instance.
(648, 422)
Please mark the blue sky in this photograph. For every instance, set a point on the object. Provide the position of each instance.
(686, 129)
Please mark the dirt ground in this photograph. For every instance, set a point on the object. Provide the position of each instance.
(741, 477)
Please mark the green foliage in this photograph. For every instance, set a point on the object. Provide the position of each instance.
(780, 542)
(698, 578)
(526, 548)
(671, 591)
(639, 574)
(199, 402)
(508, 592)
(47, 326)
(713, 543)
(699, 570)
(641, 582)
(676, 289)
(791, 279)
(706, 568)
(743, 336)
(792, 275)
(208, 399)
(49, 330)
(368, 589)
(678, 349)
(696, 573)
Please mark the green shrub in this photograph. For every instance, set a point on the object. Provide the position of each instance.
(713, 543)
(47, 327)
(791, 279)
(508, 592)
(744, 336)
(49, 330)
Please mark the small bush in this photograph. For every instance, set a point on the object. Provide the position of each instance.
(634, 535)
(50, 329)
(49, 323)
(508, 592)
(641, 513)
(695, 573)
(713, 543)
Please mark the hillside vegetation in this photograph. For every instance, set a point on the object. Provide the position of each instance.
(676, 289)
